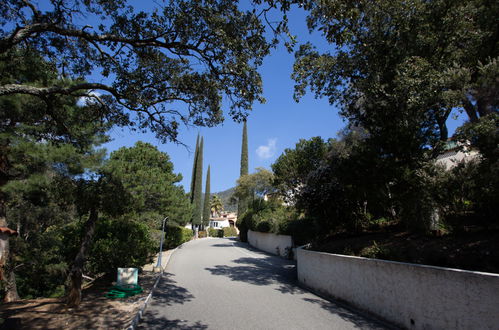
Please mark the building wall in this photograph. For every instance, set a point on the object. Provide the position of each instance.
(219, 224)
(450, 158)
(411, 296)
(280, 245)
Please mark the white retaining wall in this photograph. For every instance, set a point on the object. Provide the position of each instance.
(411, 296)
(279, 245)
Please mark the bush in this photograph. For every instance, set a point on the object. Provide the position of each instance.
(220, 233)
(213, 232)
(176, 235)
(202, 234)
(120, 243)
(303, 230)
(229, 232)
(264, 226)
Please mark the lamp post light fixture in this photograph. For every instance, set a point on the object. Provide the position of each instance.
(158, 265)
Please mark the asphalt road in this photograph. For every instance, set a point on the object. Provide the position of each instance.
(224, 284)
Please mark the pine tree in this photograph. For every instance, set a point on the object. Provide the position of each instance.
(193, 177)
(207, 206)
(198, 189)
(242, 203)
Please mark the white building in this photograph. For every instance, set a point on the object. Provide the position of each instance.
(454, 153)
(226, 219)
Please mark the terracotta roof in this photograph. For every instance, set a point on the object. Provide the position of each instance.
(6, 230)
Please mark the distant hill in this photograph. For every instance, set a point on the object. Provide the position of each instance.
(225, 197)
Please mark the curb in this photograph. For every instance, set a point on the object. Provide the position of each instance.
(141, 311)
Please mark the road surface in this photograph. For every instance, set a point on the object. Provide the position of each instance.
(224, 284)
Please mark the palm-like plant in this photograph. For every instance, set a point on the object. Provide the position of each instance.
(216, 205)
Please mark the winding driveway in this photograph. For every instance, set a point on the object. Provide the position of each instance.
(224, 284)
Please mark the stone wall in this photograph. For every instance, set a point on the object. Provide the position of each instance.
(408, 295)
(280, 245)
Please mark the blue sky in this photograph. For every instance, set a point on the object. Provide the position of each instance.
(272, 127)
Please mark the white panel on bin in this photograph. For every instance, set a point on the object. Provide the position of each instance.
(128, 276)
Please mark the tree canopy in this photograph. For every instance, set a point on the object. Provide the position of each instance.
(147, 175)
(398, 68)
(161, 68)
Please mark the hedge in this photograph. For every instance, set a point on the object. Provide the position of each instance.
(176, 235)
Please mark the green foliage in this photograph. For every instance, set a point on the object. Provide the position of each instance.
(228, 201)
(212, 232)
(243, 195)
(396, 73)
(229, 232)
(255, 185)
(244, 151)
(483, 135)
(216, 205)
(42, 265)
(176, 235)
(264, 226)
(147, 175)
(207, 202)
(145, 54)
(193, 177)
(198, 187)
(120, 243)
(294, 165)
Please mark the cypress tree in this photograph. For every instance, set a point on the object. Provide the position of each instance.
(244, 151)
(206, 209)
(193, 177)
(198, 187)
(242, 204)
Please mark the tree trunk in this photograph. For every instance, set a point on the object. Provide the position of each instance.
(76, 273)
(470, 110)
(6, 276)
(10, 287)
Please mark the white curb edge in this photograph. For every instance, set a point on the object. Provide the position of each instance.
(141, 311)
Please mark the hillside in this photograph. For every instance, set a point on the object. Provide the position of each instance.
(225, 197)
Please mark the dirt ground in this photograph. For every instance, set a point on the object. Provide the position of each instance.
(95, 311)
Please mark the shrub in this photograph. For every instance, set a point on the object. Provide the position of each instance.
(212, 232)
(176, 235)
(220, 233)
(229, 232)
(202, 234)
(303, 230)
(264, 226)
(120, 243)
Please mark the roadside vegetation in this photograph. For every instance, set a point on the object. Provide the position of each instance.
(377, 189)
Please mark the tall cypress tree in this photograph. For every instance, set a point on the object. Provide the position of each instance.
(244, 151)
(198, 187)
(193, 177)
(206, 209)
(242, 204)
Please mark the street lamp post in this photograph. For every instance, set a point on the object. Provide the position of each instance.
(158, 265)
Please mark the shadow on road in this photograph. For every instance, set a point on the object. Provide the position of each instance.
(168, 293)
(348, 313)
(158, 322)
(269, 270)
